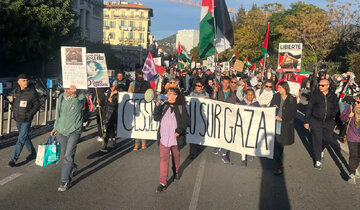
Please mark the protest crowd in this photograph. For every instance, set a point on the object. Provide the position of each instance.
(333, 103)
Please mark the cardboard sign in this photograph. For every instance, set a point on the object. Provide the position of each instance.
(238, 65)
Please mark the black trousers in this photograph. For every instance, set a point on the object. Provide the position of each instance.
(278, 152)
(322, 134)
(354, 159)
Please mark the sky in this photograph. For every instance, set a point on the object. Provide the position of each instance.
(169, 17)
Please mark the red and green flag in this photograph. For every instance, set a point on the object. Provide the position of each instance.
(183, 55)
(264, 47)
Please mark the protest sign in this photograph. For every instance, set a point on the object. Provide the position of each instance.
(97, 70)
(198, 65)
(167, 63)
(205, 63)
(193, 64)
(242, 129)
(73, 62)
(294, 87)
(239, 65)
(289, 56)
(226, 66)
(157, 61)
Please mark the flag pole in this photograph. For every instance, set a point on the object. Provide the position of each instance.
(215, 61)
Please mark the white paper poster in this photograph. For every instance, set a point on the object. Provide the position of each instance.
(73, 62)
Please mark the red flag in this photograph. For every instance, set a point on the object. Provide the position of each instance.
(262, 62)
(192, 59)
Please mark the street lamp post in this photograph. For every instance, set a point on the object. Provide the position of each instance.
(316, 63)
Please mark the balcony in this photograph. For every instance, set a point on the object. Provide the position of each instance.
(107, 27)
(106, 16)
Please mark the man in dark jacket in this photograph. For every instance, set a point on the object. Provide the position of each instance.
(320, 113)
(25, 102)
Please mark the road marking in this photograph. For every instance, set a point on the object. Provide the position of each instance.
(199, 178)
(9, 178)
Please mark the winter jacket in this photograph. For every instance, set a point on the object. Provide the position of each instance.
(352, 134)
(289, 111)
(182, 120)
(230, 99)
(110, 109)
(321, 107)
(25, 104)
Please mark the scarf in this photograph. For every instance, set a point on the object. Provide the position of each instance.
(357, 117)
(68, 98)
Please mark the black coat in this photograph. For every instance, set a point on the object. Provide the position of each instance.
(182, 120)
(321, 107)
(30, 104)
(110, 109)
(289, 111)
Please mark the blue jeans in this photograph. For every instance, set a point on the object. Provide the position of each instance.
(23, 139)
(68, 148)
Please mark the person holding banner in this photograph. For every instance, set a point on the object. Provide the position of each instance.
(174, 120)
(68, 126)
(265, 94)
(139, 85)
(286, 109)
(110, 115)
(226, 95)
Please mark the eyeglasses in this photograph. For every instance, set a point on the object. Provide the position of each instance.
(233, 82)
(323, 85)
(268, 86)
(198, 85)
(171, 82)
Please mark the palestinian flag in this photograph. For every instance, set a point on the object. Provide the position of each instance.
(224, 30)
(264, 47)
(261, 62)
(235, 55)
(247, 63)
(183, 55)
(192, 59)
(207, 34)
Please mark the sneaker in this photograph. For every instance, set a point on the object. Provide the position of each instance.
(64, 186)
(143, 145)
(104, 149)
(243, 163)
(73, 171)
(352, 179)
(100, 139)
(357, 174)
(225, 159)
(278, 170)
(136, 147)
(11, 163)
(318, 165)
(176, 177)
(31, 157)
(216, 151)
(160, 188)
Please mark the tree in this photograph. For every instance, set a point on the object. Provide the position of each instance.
(195, 54)
(354, 63)
(31, 30)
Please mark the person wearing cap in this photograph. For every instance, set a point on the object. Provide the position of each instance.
(139, 85)
(25, 103)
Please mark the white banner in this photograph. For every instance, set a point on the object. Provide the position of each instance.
(73, 62)
(97, 70)
(242, 129)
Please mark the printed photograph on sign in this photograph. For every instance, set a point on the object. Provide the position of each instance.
(73, 56)
(289, 56)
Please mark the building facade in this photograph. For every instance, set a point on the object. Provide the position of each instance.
(127, 29)
(188, 39)
(90, 18)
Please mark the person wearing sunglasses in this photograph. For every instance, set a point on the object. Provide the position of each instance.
(265, 94)
(234, 84)
(320, 114)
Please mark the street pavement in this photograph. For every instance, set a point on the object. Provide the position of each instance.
(124, 179)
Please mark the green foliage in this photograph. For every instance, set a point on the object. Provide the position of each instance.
(354, 63)
(33, 29)
(195, 52)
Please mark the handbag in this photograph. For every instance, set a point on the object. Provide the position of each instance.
(48, 153)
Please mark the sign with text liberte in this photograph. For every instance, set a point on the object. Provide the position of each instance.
(241, 129)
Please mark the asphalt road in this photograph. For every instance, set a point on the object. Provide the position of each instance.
(124, 179)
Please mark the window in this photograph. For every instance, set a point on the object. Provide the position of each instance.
(111, 35)
(123, 23)
(142, 14)
(122, 35)
(123, 14)
(141, 37)
(112, 14)
(132, 14)
(132, 25)
(112, 24)
(106, 24)
(131, 35)
(104, 35)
